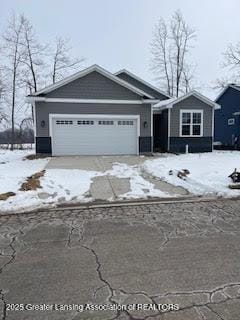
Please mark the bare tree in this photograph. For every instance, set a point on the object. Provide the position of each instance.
(221, 83)
(232, 62)
(188, 78)
(1, 85)
(170, 47)
(32, 59)
(232, 57)
(13, 54)
(61, 60)
(160, 51)
(33, 53)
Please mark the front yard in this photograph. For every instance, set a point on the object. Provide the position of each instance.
(208, 171)
(208, 176)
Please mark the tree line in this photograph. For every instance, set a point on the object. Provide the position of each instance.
(26, 64)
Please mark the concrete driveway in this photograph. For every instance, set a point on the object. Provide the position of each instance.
(110, 187)
(158, 261)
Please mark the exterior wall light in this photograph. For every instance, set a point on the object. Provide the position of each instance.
(145, 124)
(43, 123)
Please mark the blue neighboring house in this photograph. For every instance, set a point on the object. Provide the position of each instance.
(227, 119)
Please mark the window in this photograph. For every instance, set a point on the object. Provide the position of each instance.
(231, 122)
(85, 122)
(64, 122)
(106, 122)
(191, 123)
(125, 123)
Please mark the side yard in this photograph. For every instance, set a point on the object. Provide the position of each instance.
(158, 176)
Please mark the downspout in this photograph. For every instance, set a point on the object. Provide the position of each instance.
(213, 122)
(169, 129)
(151, 128)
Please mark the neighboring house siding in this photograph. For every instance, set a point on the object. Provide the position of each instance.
(93, 86)
(142, 86)
(230, 103)
(191, 103)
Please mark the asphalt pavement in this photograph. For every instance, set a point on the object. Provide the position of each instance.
(174, 261)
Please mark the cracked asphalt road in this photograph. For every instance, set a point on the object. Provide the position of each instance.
(183, 253)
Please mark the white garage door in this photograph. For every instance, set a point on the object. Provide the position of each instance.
(94, 136)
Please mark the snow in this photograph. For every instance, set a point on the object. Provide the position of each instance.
(61, 185)
(57, 186)
(140, 188)
(14, 170)
(164, 103)
(208, 171)
(208, 176)
(66, 185)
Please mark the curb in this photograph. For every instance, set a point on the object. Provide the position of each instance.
(116, 204)
(139, 202)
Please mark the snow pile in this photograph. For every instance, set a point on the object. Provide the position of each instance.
(208, 171)
(140, 188)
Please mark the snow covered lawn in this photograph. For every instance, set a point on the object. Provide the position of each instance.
(14, 170)
(57, 185)
(208, 171)
(61, 185)
(208, 176)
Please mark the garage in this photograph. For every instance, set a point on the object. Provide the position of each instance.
(94, 135)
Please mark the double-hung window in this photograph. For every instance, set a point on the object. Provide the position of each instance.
(191, 123)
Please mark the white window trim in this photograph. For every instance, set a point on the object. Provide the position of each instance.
(231, 120)
(191, 124)
(52, 116)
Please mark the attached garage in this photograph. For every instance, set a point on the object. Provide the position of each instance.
(94, 134)
(93, 112)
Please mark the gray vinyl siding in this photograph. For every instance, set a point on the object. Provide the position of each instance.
(191, 103)
(43, 109)
(93, 86)
(142, 86)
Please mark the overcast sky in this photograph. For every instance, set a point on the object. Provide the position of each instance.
(116, 34)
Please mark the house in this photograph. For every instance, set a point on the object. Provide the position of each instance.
(184, 124)
(227, 119)
(95, 112)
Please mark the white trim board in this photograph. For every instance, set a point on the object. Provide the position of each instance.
(166, 104)
(141, 80)
(86, 71)
(35, 119)
(93, 116)
(105, 101)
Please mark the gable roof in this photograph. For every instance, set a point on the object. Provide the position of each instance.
(231, 85)
(86, 71)
(169, 103)
(130, 74)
